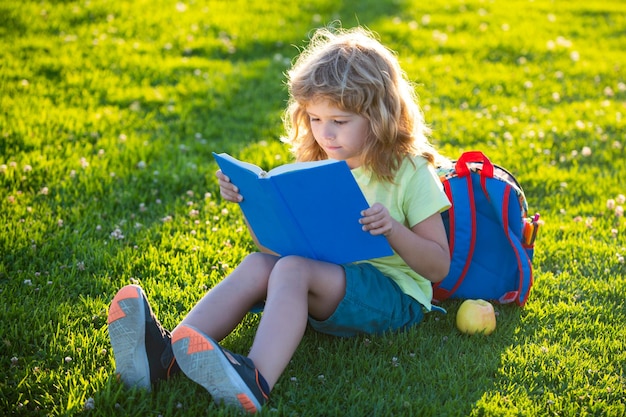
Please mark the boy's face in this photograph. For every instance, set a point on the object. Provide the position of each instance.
(341, 134)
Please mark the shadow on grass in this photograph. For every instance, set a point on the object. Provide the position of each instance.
(431, 369)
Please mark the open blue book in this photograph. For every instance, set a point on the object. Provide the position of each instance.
(311, 209)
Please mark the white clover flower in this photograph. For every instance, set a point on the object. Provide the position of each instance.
(90, 404)
(563, 42)
(621, 199)
(610, 204)
(117, 234)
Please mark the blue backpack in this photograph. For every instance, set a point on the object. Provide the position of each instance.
(490, 235)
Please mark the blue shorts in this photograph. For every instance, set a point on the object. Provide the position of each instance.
(373, 304)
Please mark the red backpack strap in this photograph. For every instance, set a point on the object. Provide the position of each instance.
(461, 222)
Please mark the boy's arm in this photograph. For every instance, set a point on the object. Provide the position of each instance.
(424, 247)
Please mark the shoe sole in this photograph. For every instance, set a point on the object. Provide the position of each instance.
(127, 331)
(202, 360)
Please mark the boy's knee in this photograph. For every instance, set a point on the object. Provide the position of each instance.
(292, 270)
(260, 260)
(291, 264)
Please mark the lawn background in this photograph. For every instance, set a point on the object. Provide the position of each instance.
(110, 111)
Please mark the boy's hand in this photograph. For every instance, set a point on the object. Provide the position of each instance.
(377, 220)
(228, 190)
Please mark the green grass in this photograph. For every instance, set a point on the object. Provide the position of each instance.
(110, 111)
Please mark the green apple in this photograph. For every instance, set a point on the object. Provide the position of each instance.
(476, 316)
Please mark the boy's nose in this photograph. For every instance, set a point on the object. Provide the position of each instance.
(329, 133)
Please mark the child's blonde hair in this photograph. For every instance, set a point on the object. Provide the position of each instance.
(355, 72)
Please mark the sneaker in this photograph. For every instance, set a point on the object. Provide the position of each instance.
(229, 378)
(141, 346)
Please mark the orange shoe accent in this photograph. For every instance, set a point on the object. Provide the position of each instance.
(169, 368)
(115, 311)
(246, 403)
(197, 342)
(258, 382)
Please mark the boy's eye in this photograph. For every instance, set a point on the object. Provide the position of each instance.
(340, 122)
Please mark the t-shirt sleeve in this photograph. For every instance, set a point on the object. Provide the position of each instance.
(424, 195)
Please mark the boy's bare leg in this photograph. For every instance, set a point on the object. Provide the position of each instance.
(225, 305)
(297, 287)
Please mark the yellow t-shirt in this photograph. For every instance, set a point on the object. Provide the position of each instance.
(415, 195)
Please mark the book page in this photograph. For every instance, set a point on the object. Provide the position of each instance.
(245, 165)
(297, 166)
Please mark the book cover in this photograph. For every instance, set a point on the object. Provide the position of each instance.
(311, 209)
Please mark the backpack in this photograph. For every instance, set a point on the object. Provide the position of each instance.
(490, 236)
